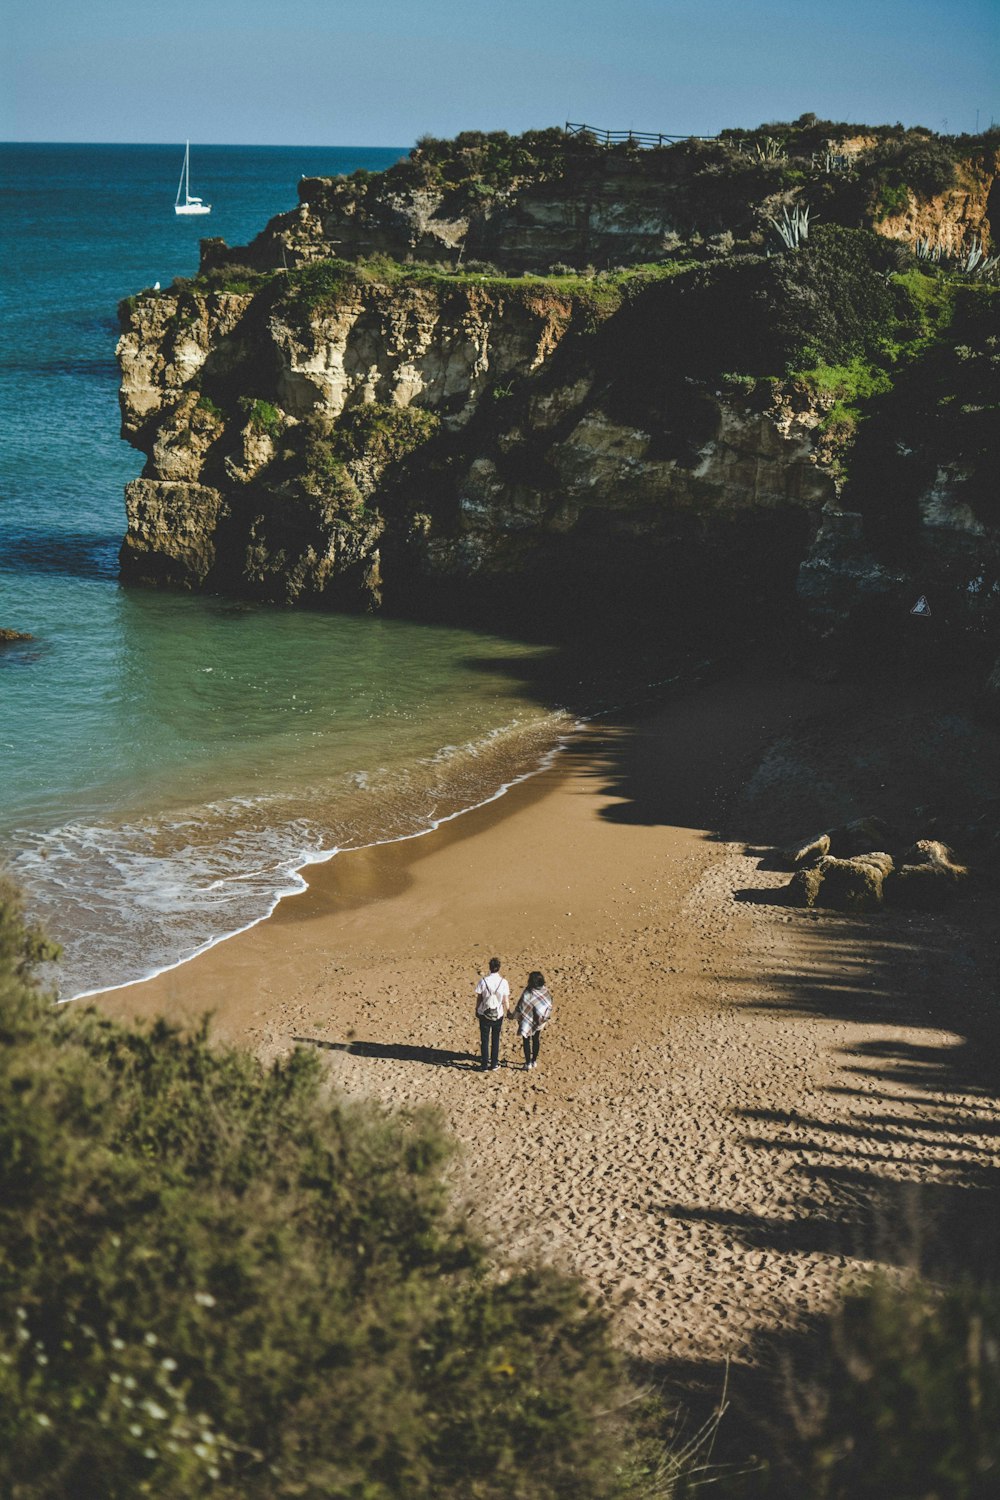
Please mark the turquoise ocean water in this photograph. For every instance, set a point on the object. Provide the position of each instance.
(168, 764)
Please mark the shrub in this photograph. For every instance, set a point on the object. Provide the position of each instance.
(221, 1281)
(322, 281)
(262, 416)
(898, 1396)
(207, 405)
(233, 278)
(384, 434)
(924, 308)
(892, 199)
(915, 161)
(758, 316)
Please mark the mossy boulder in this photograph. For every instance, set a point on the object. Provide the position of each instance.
(805, 852)
(928, 876)
(855, 885)
(804, 886)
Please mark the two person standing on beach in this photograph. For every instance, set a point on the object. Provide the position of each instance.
(532, 1014)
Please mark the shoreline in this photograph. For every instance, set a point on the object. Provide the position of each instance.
(324, 857)
(732, 1094)
(563, 726)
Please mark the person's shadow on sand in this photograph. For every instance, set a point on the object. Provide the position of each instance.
(436, 1057)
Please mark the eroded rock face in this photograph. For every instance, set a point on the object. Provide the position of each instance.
(606, 211)
(172, 531)
(953, 219)
(374, 344)
(618, 213)
(221, 502)
(516, 461)
(354, 436)
(840, 573)
(164, 342)
(858, 607)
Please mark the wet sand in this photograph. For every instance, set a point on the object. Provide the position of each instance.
(737, 1104)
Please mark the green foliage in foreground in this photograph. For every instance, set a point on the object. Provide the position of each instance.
(216, 1280)
(899, 1396)
(219, 1281)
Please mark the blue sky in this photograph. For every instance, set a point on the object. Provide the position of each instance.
(382, 72)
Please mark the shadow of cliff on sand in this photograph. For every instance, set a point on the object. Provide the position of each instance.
(758, 759)
(908, 1181)
(921, 973)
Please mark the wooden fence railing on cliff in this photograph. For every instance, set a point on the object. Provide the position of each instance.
(635, 137)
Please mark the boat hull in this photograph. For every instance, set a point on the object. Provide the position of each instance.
(192, 208)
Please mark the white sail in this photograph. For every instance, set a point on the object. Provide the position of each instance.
(190, 205)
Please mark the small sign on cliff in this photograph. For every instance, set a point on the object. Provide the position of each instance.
(921, 607)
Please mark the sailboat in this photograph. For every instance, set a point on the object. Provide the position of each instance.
(190, 205)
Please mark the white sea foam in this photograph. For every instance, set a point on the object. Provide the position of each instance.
(133, 900)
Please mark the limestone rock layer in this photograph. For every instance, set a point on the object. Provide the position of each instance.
(373, 434)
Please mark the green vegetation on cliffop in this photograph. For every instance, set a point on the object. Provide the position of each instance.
(854, 174)
(938, 388)
(845, 317)
(922, 308)
(325, 284)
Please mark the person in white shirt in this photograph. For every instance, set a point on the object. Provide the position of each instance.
(492, 1003)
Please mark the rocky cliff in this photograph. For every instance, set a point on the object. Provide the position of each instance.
(705, 426)
(405, 443)
(547, 199)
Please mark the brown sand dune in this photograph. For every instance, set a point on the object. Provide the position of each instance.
(736, 1102)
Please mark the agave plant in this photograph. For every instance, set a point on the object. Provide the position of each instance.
(975, 262)
(924, 250)
(973, 256)
(793, 228)
(769, 149)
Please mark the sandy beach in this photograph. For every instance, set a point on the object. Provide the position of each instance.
(738, 1103)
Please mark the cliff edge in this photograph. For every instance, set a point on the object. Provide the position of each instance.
(748, 405)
